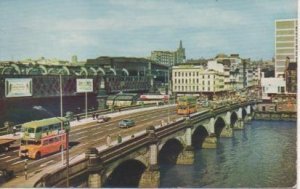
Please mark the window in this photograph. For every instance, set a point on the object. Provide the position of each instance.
(30, 130)
(179, 74)
(51, 140)
(39, 129)
(175, 74)
(45, 129)
(197, 80)
(46, 142)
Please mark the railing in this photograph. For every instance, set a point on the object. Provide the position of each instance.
(108, 155)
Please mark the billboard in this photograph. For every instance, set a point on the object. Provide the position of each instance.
(18, 87)
(84, 85)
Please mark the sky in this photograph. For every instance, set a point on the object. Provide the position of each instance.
(134, 28)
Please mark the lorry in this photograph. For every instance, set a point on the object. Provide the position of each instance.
(5, 144)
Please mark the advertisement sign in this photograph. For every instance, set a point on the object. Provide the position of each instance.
(84, 85)
(18, 87)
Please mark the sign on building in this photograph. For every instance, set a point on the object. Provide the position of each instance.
(18, 87)
(84, 85)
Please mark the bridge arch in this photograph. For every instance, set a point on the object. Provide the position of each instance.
(126, 174)
(170, 151)
(113, 71)
(11, 69)
(101, 70)
(219, 126)
(125, 71)
(37, 70)
(198, 136)
(233, 119)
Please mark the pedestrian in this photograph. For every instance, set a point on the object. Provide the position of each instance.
(132, 136)
(97, 115)
(119, 138)
(108, 140)
(94, 116)
(14, 130)
(78, 118)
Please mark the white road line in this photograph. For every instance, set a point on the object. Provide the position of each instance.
(12, 159)
(81, 137)
(46, 163)
(2, 155)
(98, 132)
(18, 162)
(5, 157)
(80, 132)
(82, 144)
(100, 138)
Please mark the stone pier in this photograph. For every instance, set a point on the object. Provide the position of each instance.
(209, 142)
(239, 124)
(94, 180)
(186, 157)
(226, 132)
(150, 179)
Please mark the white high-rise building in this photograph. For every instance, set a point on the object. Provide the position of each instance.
(285, 44)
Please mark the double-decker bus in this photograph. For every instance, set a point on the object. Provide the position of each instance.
(186, 105)
(36, 130)
(35, 149)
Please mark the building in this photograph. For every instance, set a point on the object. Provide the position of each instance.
(169, 58)
(197, 81)
(291, 77)
(272, 86)
(285, 44)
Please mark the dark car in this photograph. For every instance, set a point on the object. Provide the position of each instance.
(126, 123)
(103, 119)
(5, 175)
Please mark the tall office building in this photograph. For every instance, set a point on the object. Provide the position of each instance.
(285, 44)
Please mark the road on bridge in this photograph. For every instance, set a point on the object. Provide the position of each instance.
(89, 135)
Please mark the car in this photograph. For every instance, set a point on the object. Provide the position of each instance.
(125, 123)
(103, 119)
(5, 175)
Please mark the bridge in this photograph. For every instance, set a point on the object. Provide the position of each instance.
(135, 162)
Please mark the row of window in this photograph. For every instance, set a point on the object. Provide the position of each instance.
(196, 81)
(197, 88)
(189, 74)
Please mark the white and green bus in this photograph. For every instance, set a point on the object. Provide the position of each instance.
(36, 130)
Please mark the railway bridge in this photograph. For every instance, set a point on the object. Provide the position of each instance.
(135, 162)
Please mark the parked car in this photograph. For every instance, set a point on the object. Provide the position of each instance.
(103, 119)
(126, 123)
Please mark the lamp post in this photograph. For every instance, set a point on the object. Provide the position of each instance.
(61, 115)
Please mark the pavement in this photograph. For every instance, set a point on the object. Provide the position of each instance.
(20, 182)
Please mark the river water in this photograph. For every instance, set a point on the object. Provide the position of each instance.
(261, 155)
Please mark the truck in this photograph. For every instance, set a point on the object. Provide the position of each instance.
(5, 144)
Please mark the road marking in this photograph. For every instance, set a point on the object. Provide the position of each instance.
(18, 162)
(16, 151)
(46, 163)
(80, 132)
(100, 138)
(5, 157)
(82, 144)
(98, 132)
(12, 159)
(81, 137)
(2, 155)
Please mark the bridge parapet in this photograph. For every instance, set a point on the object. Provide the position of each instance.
(96, 161)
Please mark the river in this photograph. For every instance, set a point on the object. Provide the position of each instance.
(261, 155)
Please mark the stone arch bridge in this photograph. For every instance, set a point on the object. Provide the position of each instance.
(135, 163)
